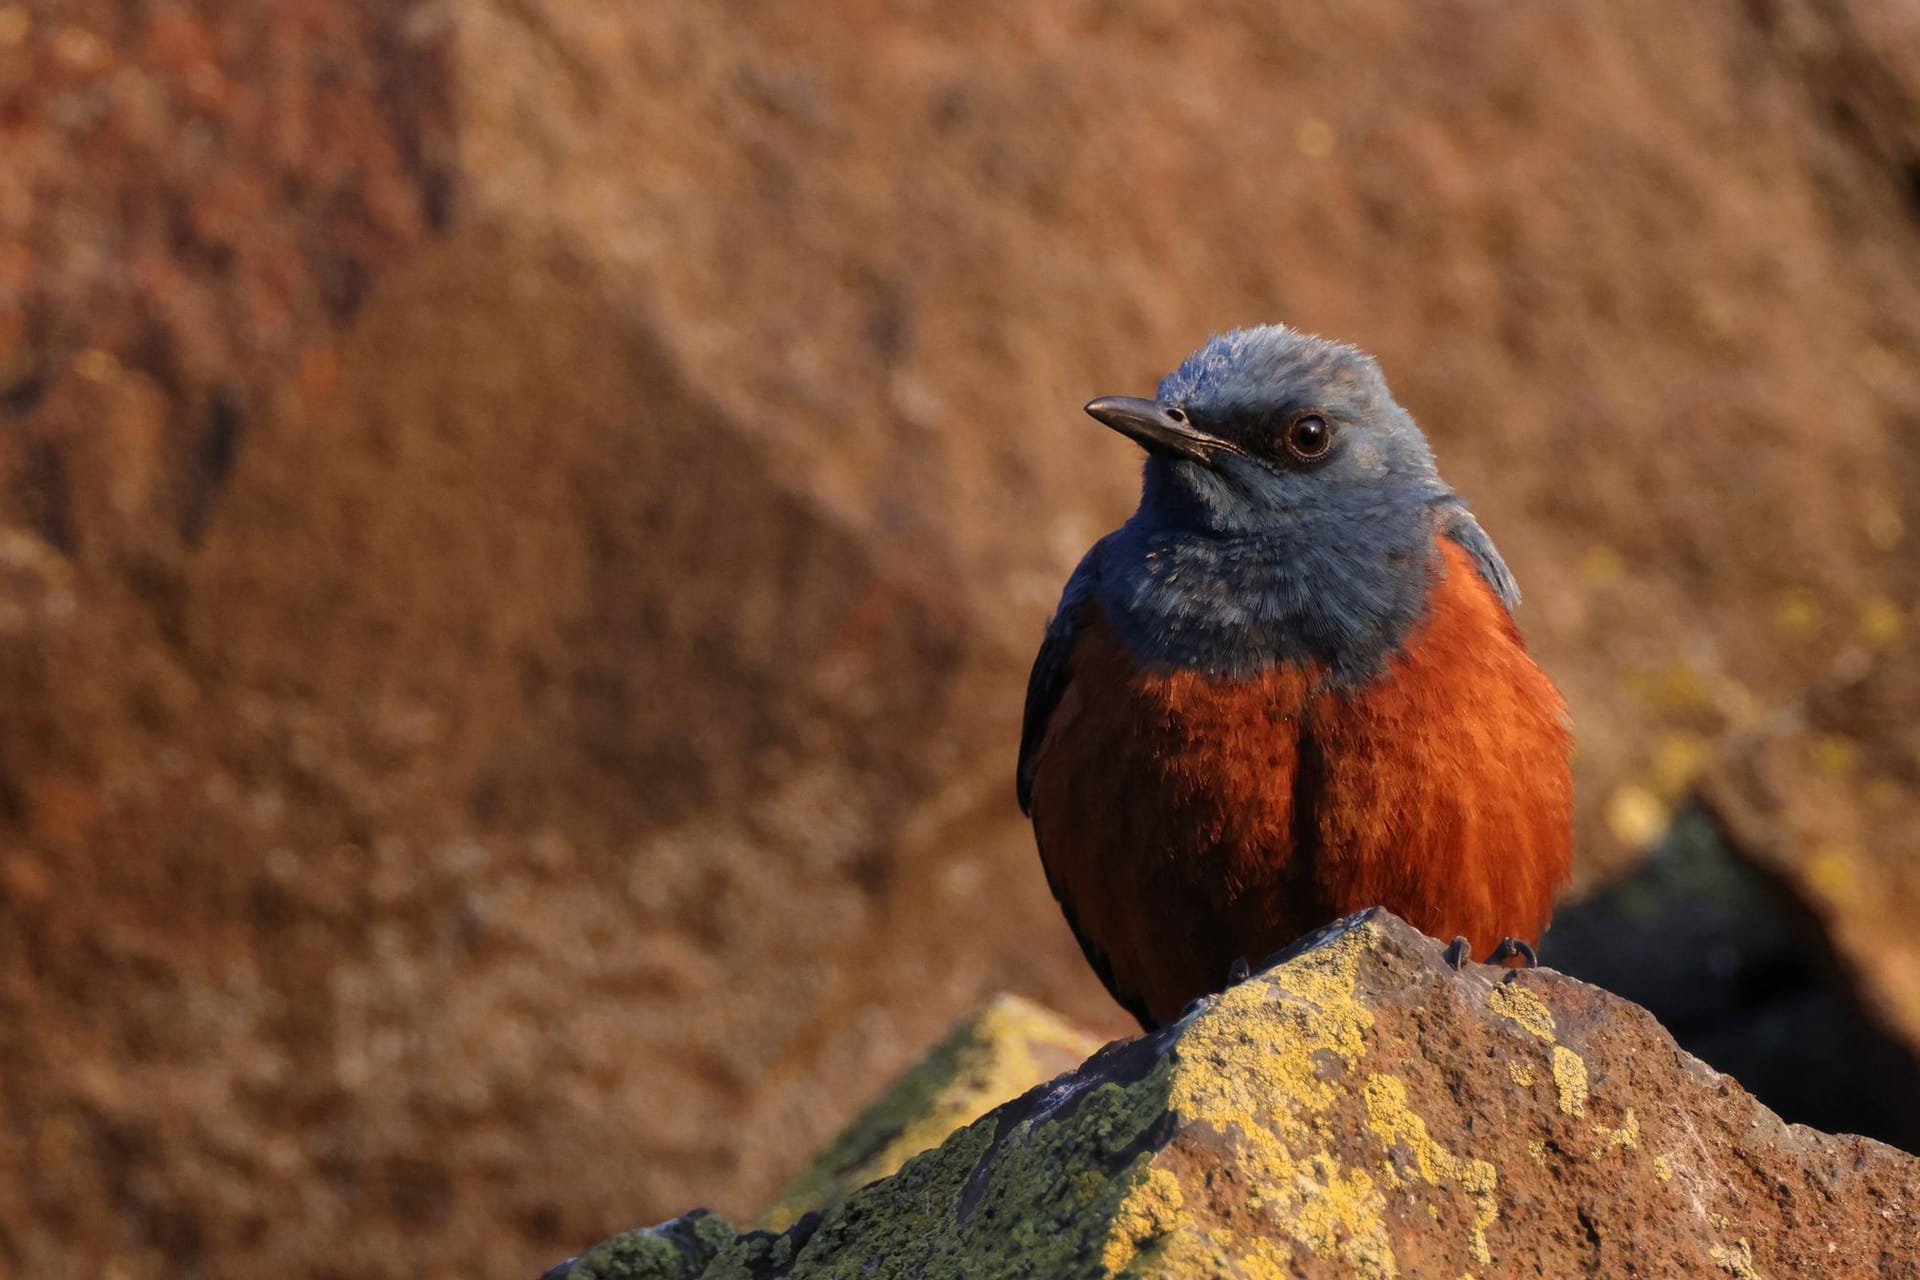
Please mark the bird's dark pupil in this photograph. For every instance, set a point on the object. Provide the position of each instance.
(1309, 434)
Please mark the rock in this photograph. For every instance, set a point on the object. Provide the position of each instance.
(1360, 1109)
(994, 1054)
(677, 1250)
(1708, 944)
(1823, 803)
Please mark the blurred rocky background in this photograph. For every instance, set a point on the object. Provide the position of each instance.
(523, 524)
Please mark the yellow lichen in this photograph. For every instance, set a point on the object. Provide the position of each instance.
(1521, 1072)
(1150, 1209)
(1273, 1101)
(1570, 1080)
(1519, 1005)
(1736, 1261)
(1342, 1217)
(1626, 1136)
(1663, 1168)
(1394, 1122)
(1528, 1011)
(1187, 1253)
(1538, 1150)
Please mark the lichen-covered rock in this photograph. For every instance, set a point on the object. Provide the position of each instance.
(1360, 1109)
(999, 1051)
(1704, 940)
(677, 1250)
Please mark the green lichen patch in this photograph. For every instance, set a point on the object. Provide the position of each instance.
(677, 1250)
(997, 1053)
(1051, 1186)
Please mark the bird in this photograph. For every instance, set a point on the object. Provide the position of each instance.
(1288, 688)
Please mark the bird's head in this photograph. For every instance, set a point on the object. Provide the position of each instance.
(1268, 428)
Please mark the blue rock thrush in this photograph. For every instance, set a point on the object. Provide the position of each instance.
(1288, 688)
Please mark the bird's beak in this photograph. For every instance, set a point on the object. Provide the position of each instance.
(1156, 429)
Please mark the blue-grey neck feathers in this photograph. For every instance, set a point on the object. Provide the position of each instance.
(1232, 566)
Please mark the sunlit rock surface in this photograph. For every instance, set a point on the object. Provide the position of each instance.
(1358, 1109)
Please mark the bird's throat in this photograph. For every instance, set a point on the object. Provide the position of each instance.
(1233, 609)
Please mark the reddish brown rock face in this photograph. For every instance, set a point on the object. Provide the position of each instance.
(194, 199)
(522, 527)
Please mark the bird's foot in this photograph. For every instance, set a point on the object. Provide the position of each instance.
(1238, 972)
(1511, 947)
(1458, 952)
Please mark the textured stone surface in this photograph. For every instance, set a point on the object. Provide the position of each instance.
(1360, 1110)
(1737, 972)
(519, 518)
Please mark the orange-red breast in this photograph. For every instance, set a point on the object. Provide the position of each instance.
(1290, 687)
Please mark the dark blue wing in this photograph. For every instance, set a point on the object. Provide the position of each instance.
(1458, 523)
(1050, 669)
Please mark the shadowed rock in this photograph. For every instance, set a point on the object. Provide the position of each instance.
(1770, 931)
(1358, 1109)
(1824, 805)
(1001, 1050)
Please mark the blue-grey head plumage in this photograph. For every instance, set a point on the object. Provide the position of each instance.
(1288, 512)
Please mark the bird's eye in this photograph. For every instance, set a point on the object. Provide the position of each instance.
(1309, 437)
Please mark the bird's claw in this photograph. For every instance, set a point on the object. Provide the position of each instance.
(1458, 952)
(1238, 972)
(1511, 947)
